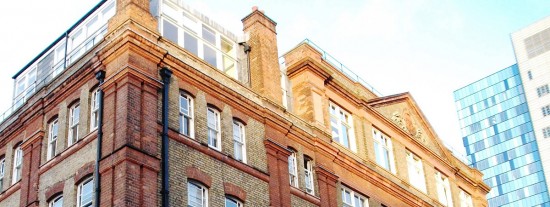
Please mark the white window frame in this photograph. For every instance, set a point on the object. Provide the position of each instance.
(353, 198)
(443, 189)
(17, 164)
(383, 143)
(84, 37)
(203, 190)
(2, 173)
(74, 119)
(25, 86)
(187, 24)
(293, 169)
(79, 203)
(465, 199)
(416, 172)
(239, 141)
(52, 139)
(237, 202)
(186, 115)
(94, 110)
(341, 118)
(546, 132)
(543, 90)
(308, 176)
(213, 125)
(57, 200)
(545, 110)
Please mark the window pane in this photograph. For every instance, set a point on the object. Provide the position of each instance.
(77, 38)
(195, 196)
(208, 35)
(109, 12)
(57, 202)
(231, 203)
(358, 202)
(210, 55)
(185, 115)
(86, 193)
(185, 124)
(190, 43)
(345, 139)
(170, 31)
(92, 26)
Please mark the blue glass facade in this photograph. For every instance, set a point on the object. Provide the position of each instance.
(499, 139)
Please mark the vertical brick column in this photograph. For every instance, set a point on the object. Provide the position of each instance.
(265, 75)
(136, 11)
(31, 162)
(277, 165)
(131, 165)
(327, 182)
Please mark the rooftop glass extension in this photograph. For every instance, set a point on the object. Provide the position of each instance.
(59, 55)
(199, 35)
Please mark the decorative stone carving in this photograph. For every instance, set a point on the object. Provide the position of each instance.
(396, 117)
(407, 124)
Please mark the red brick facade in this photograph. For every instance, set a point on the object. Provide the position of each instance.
(132, 53)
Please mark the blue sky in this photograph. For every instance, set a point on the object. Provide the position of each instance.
(427, 47)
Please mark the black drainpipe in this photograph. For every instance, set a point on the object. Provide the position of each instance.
(100, 76)
(165, 73)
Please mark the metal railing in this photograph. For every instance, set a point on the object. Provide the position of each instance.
(341, 67)
(51, 67)
(460, 156)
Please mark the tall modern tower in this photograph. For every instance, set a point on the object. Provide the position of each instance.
(500, 141)
(532, 46)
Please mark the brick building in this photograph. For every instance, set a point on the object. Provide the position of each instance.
(155, 105)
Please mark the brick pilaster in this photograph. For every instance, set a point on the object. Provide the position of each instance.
(277, 164)
(131, 164)
(327, 182)
(31, 162)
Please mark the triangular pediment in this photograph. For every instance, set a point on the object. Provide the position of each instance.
(403, 111)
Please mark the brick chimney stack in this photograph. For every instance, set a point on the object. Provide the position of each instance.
(265, 75)
(136, 11)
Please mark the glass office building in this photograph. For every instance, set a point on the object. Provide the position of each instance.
(499, 139)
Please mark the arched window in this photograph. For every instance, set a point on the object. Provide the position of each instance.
(2, 171)
(186, 115)
(94, 109)
(293, 168)
(416, 172)
(197, 194)
(52, 139)
(56, 202)
(308, 172)
(232, 202)
(443, 189)
(239, 141)
(214, 137)
(85, 193)
(17, 164)
(74, 116)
